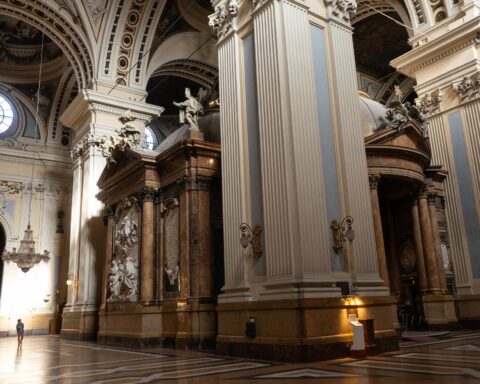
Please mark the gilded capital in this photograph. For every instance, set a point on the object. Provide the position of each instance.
(148, 194)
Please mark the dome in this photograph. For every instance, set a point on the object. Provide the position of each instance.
(373, 115)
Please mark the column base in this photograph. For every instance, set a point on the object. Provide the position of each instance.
(439, 311)
(79, 323)
(173, 324)
(302, 329)
(469, 311)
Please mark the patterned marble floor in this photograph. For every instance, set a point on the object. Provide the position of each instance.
(47, 359)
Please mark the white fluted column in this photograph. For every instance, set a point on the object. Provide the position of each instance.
(357, 200)
(296, 223)
(233, 166)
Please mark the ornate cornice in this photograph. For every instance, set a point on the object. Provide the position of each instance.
(223, 21)
(467, 88)
(341, 10)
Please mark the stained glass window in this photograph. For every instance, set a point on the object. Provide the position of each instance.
(149, 138)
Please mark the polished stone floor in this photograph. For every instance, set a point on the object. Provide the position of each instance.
(47, 359)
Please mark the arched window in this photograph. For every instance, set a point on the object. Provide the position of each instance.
(151, 140)
(6, 114)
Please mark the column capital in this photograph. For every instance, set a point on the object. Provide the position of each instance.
(431, 198)
(224, 20)
(108, 213)
(148, 194)
(341, 10)
(423, 193)
(373, 180)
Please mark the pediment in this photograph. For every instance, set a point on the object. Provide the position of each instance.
(410, 136)
(122, 160)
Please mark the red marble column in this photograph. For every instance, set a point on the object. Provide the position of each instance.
(110, 223)
(394, 262)
(428, 243)
(147, 265)
(377, 223)
(417, 239)
(436, 240)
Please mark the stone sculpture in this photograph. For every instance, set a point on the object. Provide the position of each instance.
(190, 109)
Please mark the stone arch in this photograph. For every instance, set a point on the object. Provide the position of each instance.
(68, 37)
(180, 47)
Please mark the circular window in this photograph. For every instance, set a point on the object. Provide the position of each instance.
(6, 114)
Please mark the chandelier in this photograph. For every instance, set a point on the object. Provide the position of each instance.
(26, 257)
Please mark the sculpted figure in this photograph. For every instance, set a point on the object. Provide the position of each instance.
(189, 110)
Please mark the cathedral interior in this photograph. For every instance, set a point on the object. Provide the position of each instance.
(251, 177)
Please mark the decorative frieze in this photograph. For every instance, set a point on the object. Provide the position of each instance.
(97, 8)
(223, 20)
(467, 88)
(430, 102)
(342, 10)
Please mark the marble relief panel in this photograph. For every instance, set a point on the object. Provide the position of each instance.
(171, 241)
(123, 278)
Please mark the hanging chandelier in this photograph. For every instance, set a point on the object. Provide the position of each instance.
(26, 257)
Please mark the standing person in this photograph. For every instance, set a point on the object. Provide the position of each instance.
(20, 331)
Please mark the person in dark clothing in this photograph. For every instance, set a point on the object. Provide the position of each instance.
(20, 331)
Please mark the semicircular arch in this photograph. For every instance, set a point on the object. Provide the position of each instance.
(68, 37)
(193, 46)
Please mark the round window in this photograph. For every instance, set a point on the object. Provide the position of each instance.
(6, 114)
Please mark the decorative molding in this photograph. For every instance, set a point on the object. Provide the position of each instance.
(468, 88)
(197, 182)
(341, 10)
(97, 8)
(430, 102)
(223, 21)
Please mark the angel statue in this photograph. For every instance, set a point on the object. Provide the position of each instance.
(191, 108)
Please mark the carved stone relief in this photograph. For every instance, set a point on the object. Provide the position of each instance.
(123, 278)
(430, 102)
(171, 219)
(467, 88)
(97, 8)
(342, 10)
(224, 19)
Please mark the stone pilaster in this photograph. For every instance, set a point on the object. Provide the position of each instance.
(366, 279)
(109, 222)
(92, 116)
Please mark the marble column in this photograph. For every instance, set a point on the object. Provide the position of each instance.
(428, 243)
(366, 278)
(436, 241)
(394, 261)
(109, 221)
(147, 263)
(417, 239)
(377, 222)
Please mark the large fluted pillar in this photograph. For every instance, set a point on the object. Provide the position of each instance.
(147, 263)
(377, 221)
(357, 199)
(417, 239)
(428, 244)
(436, 241)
